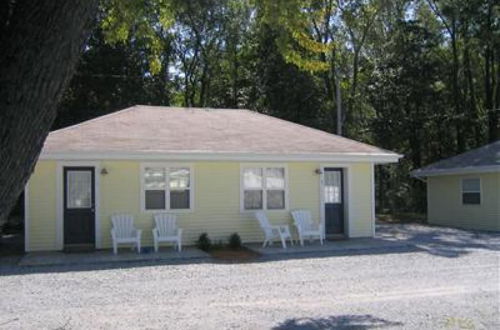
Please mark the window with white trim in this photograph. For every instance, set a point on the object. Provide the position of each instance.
(167, 188)
(264, 188)
(471, 191)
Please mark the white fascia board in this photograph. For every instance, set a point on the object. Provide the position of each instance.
(455, 171)
(381, 158)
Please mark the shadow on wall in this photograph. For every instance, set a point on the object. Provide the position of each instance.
(337, 322)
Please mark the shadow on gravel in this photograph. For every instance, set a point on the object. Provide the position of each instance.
(410, 238)
(337, 322)
(12, 269)
(440, 241)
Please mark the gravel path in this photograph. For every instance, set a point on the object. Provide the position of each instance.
(394, 289)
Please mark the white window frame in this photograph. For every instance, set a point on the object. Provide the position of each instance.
(263, 167)
(480, 191)
(167, 167)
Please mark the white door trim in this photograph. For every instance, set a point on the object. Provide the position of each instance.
(347, 196)
(60, 200)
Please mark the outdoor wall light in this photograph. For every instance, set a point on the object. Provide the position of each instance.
(104, 171)
(318, 171)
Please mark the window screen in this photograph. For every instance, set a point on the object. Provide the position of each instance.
(167, 188)
(471, 191)
(264, 188)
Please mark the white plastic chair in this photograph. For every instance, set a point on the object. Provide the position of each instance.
(124, 232)
(306, 227)
(166, 231)
(273, 231)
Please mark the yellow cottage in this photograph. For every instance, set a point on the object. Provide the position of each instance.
(213, 168)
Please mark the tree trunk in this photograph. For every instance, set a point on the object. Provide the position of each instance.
(491, 105)
(41, 42)
(472, 108)
(457, 98)
(494, 117)
(351, 117)
(234, 77)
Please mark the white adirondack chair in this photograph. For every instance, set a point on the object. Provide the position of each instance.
(166, 230)
(306, 227)
(124, 232)
(273, 231)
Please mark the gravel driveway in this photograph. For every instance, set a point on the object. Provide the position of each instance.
(451, 281)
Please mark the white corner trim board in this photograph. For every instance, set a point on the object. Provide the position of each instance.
(26, 218)
(372, 188)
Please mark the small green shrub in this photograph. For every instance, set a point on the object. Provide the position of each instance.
(218, 245)
(204, 243)
(11, 227)
(234, 241)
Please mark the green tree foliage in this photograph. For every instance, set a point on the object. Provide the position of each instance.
(110, 77)
(418, 77)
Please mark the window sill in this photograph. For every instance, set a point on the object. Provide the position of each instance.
(265, 210)
(174, 211)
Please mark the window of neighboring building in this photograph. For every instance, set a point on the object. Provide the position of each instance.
(166, 187)
(264, 188)
(471, 191)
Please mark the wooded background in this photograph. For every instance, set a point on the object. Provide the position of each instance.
(421, 78)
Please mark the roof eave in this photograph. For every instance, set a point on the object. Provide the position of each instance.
(453, 171)
(380, 158)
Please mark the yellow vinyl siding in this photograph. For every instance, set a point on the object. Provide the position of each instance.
(119, 193)
(444, 201)
(361, 224)
(42, 207)
(216, 204)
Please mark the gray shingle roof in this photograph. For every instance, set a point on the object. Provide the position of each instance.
(483, 159)
(155, 130)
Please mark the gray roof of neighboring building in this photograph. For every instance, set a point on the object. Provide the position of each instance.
(483, 159)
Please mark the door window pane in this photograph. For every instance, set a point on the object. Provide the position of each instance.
(154, 178)
(155, 199)
(179, 178)
(79, 189)
(253, 199)
(333, 186)
(332, 195)
(275, 199)
(275, 178)
(179, 199)
(252, 178)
